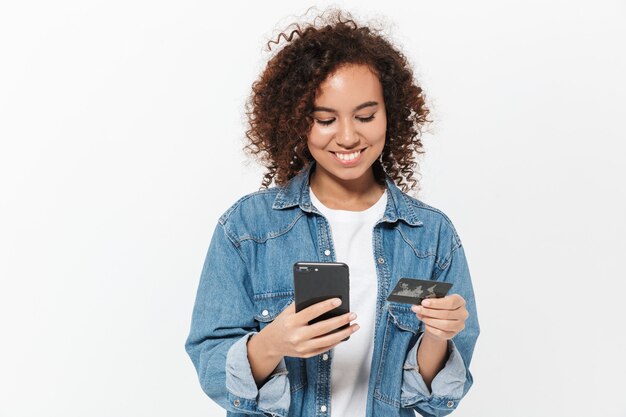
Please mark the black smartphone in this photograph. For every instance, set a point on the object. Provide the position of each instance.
(319, 281)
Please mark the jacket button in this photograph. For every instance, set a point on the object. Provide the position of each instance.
(381, 260)
(327, 252)
(450, 404)
(323, 409)
(236, 402)
(325, 357)
(264, 313)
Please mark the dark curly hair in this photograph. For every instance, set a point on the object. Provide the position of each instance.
(280, 105)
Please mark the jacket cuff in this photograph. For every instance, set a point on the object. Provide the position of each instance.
(447, 386)
(273, 397)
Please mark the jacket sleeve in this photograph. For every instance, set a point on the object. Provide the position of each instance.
(453, 382)
(221, 324)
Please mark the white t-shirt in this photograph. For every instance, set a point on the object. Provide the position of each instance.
(353, 241)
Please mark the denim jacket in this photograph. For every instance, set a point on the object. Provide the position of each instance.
(247, 281)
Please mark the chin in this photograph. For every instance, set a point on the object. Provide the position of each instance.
(349, 174)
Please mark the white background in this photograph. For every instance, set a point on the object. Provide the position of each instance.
(121, 127)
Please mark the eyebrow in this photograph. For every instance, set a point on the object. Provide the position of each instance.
(359, 107)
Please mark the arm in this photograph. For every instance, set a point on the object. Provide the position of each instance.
(218, 340)
(452, 382)
(432, 355)
(262, 358)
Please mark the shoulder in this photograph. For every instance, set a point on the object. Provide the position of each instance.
(436, 229)
(252, 217)
(257, 200)
(433, 217)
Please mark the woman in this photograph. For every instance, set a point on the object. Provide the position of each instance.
(336, 117)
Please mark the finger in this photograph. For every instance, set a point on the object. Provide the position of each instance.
(444, 325)
(316, 310)
(328, 325)
(319, 351)
(458, 314)
(332, 338)
(449, 302)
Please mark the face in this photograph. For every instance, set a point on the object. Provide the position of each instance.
(349, 124)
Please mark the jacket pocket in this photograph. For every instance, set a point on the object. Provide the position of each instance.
(268, 307)
(402, 329)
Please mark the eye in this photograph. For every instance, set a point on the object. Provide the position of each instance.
(360, 119)
(325, 122)
(366, 119)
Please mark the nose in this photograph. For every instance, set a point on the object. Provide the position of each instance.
(347, 135)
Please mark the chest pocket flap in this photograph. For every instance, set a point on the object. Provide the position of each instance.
(403, 317)
(270, 305)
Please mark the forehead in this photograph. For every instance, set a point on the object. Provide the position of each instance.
(349, 85)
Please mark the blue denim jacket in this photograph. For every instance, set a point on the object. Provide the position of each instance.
(247, 281)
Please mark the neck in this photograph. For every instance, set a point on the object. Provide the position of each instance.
(337, 193)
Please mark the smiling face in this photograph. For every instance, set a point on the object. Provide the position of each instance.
(349, 125)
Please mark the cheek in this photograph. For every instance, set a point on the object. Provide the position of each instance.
(377, 132)
(318, 139)
(378, 126)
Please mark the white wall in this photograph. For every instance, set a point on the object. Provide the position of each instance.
(120, 119)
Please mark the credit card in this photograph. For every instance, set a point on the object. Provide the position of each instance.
(414, 291)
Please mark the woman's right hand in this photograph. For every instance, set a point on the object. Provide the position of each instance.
(291, 335)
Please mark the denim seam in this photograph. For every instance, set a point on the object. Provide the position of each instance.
(272, 235)
(396, 322)
(447, 260)
(423, 206)
(382, 361)
(417, 252)
(225, 216)
(385, 399)
(302, 382)
(268, 295)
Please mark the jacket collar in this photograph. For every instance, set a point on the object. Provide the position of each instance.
(296, 193)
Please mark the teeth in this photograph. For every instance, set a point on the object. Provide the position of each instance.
(348, 156)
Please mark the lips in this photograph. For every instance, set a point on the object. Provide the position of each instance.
(349, 158)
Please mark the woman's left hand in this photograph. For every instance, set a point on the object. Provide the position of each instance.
(443, 317)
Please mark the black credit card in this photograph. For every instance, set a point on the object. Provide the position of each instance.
(414, 291)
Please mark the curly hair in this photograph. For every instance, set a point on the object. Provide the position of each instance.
(280, 105)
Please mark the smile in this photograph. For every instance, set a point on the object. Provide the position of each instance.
(348, 158)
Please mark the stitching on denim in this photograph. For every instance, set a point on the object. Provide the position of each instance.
(302, 382)
(284, 297)
(417, 252)
(381, 284)
(415, 203)
(224, 217)
(382, 356)
(390, 322)
(272, 235)
(397, 313)
(446, 262)
(421, 205)
(239, 253)
(379, 396)
(413, 216)
(268, 295)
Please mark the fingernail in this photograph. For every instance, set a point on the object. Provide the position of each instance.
(352, 316)
(426, 303)
(336, 301)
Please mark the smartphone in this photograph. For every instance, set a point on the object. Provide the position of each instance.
(319, 281)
